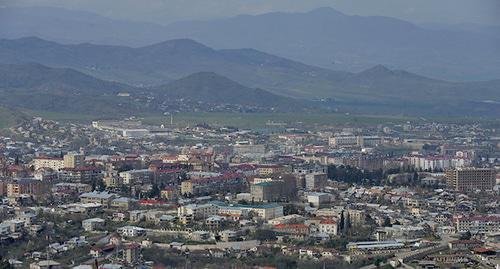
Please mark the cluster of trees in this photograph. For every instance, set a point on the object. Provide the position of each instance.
(4, 264)
(351, 174)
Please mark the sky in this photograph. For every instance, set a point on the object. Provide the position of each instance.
(167, 11)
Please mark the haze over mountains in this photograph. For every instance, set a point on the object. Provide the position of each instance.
(166, 61)
(375, 90)
(156, 75)
(38, 87)
(322, 37)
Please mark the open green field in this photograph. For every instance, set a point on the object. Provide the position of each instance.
(259, 120)
(10, 117)
(242, 120)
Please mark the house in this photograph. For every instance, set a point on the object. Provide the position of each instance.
(296, 229)
(97, 252)
(328, 226)
(122, 202)
(214, 222)
(93, 224)
(119, 216)
(464, 244)
(26, 217)
(200, 235)
(131, 253)
(137, 215)
(103, 198)
(46, 264)
(169, 193)
(131, 231)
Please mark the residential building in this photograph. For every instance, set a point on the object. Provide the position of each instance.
(470, 179)
(93, 224)
(74, 160)
(103, 198)
(229, 182)
(316, 181)
(328, 226)
(477, 224)
(27, 186)
(53, 163)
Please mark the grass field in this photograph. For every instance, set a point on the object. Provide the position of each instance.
(259, 120)
(10, 117)
(241, 120)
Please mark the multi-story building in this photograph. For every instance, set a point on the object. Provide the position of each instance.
(317, 199)
(229, 182)
(197, 211)
(103, 198)
(274, 189)
(437, 162)
(343, 140)
(266, 191)
(350, 140)
(169, 193)
(263, 211)
(369, 141)
(131, 231)
(80, 174)
(93, 224)
(131, 253)
(53, 163)
(73, 160)
(242, 149)
(328, 226)
(356, 217)
(27, 186)
(365, 162)
(477, 224)
(136, 176)
(470, 179)
(113, 181)
(315, 181)
(298, 229)
(269, 169)
(68, 187)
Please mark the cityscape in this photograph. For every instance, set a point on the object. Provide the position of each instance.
(116, 154)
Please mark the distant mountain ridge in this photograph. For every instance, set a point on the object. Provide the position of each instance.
(170, 60)
(210, 87)
(43, 78)
(328, 38)
(376, 90)
(321, 37)
(37, 87)
(34, 86)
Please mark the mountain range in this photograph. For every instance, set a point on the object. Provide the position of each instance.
(375, 90)
(170, 60)
(37, 87)
(322, 37)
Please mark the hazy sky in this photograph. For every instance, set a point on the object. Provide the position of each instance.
(166, 11)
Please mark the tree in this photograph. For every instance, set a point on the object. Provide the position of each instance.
(100, 185)
(341, 222)
(465, 236)
(265, 235)
(4, 264)
(377, 261)
(387, 222)
(289, 209)
(154, 192)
